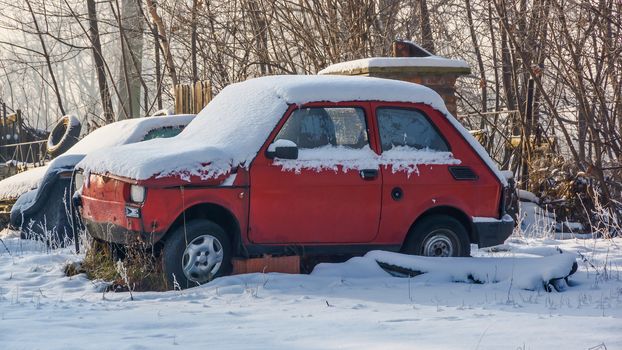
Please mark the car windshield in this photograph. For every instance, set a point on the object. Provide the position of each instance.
(130, 131)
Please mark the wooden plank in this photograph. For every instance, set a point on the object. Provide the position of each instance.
(192, 98)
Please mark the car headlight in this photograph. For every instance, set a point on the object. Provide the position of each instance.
(78, 181)
(137, 194)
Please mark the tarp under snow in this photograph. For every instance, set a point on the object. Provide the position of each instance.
(533, 273)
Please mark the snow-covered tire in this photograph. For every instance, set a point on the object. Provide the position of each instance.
(196, 254)
(438, 235)
(64, 135)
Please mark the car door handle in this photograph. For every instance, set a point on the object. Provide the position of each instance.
(368, 174)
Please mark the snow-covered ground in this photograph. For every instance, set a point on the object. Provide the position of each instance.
(337, 306)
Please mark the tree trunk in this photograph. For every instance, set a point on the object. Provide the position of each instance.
(48, 61)
(158, 68)
(426, 29)
(131, 30)
(193, 41)
(104, 92)
(478, 55)
(164, 44)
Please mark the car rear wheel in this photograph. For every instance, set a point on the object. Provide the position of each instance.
(438, 236)
(196, 254)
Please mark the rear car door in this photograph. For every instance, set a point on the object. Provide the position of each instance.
(418, 158)
(325, 196)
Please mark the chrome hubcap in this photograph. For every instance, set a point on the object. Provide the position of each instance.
(202, 258)
(438, 244)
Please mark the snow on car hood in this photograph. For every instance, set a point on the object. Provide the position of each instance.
(233, 127)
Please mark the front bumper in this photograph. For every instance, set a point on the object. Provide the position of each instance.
(491, 233)
(117, 234)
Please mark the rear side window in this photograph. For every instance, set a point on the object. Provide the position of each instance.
(330, 126)
(408, 127)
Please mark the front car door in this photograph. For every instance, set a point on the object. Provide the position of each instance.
(323, 196)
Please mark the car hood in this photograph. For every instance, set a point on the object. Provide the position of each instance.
(163, 161)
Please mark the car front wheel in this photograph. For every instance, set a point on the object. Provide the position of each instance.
(195, 254)
(438, 236)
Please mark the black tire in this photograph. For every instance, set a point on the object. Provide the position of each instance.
(189, 239)
(438, 235)
(64, 135)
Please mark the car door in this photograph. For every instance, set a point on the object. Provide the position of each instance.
(418, 156)
(331, 193)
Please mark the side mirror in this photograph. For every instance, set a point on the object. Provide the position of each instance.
(282, 149)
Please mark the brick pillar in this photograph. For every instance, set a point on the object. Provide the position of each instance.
(413, 66)
(443, 83)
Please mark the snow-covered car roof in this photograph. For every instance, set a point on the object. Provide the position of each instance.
(113, 134)
(232, 128)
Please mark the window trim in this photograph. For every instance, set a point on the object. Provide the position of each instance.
(425, 115)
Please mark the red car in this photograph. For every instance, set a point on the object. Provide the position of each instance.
(290, 165)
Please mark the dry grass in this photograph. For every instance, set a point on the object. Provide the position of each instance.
(142, 269)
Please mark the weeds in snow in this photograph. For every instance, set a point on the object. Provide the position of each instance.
(122, 271)
(140, 265)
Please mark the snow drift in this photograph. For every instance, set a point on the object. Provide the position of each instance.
(523, 273)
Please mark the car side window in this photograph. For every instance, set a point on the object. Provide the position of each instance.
(326, 126)
(408, 127)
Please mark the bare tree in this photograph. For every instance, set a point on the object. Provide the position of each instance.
(98, 58)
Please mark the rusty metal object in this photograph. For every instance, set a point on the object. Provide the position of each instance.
(267, 263)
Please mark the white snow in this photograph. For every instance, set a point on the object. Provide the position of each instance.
(114, 134)
(535, 220)
(25, 201)
(508, 174)
(126, 131)
(354, 305)
(379, 62)
(73, 120)
(528, 196)
(505, 218)
(401, 158)
(280, 143)
(14, 186)
(573, 226)
(233, 126)
(523, 273)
